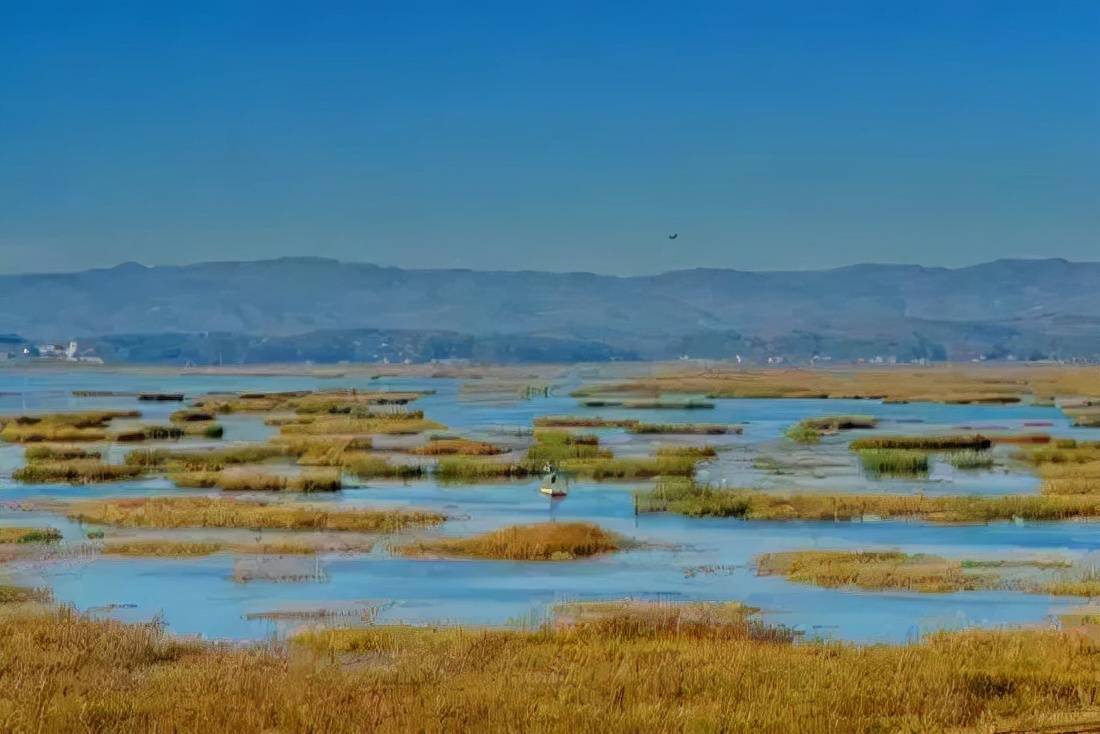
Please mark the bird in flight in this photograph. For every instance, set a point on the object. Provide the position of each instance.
(674, 235)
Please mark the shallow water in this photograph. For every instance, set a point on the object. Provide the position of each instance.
(199, 596)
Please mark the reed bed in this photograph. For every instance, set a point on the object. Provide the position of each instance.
(1061, 453)
(834, 423)
(875, 570)
(59, 453)
(77, 471)
(208, 512)
(581, 421)
(954, 384)
(903, 462)
(643, 467)
(974, 442)
(704, 429)
(251, 480)
(11, 594)
(340, 425)
(172, 432)
(555, 446)
(28, 535)
(375, 467)
(694, 452)
(1070, 478)
(459, 446)
(549, 541)
(971, 460)
(615, 672)
(696, 500)
(470, 469)
(801, 433)
(174, 460)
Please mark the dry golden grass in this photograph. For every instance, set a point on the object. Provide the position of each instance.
(875, 570)
(173, 460)
(459, 446)
(28, 535)
(60, 427)
(946, 384)
(207, 512)
(251, 480)
(641, 467)
(77, 471)
(376, 467)
(396, 425)
(469, 469)
(687, 498)
(548, 541)
(1070, 478)
(632, 671)
(59, 453)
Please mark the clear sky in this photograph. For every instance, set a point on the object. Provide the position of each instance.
(560, 135)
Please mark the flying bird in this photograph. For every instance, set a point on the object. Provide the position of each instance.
(674, 235)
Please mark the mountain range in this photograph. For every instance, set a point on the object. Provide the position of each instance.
(326, 310)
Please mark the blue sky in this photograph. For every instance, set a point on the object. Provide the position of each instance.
(559, 136)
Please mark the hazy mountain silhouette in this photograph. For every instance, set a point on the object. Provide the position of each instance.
(1027, 308)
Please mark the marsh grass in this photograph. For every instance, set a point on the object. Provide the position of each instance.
(549, 541)
(208, 512)
(76, 471)
(174, 460)
(555, 446)
(396, 425)
(612, 671)
(642, 467)
(470, 469)
(694, 452)
(903, 462)
(970, 460)
(12, 594)
(1070, 478)
(376, 467)
(955, 385)
(580, 421)
(252, 480)
(834, 423)
(459, 446)
(28, 535)
(974, 442)
(801, 433)
(875, 570)
(696, 500)
(59, 453)
(705, 429)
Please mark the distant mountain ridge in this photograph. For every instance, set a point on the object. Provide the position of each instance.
(1022, 308)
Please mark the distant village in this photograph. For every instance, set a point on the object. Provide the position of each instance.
(70, 352)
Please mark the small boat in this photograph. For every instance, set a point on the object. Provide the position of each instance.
(551, 488)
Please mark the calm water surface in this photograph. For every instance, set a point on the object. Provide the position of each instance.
(679, 558)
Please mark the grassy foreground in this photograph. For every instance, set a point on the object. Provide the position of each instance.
(652, 672)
